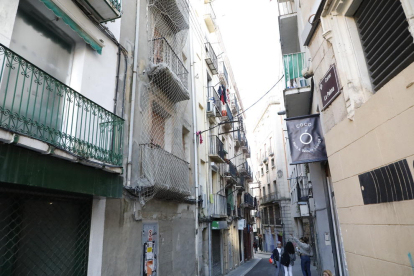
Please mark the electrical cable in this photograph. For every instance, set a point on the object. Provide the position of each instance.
(246, 108)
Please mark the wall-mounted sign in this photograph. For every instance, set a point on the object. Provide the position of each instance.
(329, 86)
(306, 139)
(241, 223)
(219, 224)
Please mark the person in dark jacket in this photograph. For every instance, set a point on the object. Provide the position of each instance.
(290, 250)
(277, 255)
(255, 247)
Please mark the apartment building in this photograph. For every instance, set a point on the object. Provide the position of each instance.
(61, 133)
(225, 225)
(358, 57)
(271, 175)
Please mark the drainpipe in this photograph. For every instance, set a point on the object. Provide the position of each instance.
(134, 82)
(195, 147)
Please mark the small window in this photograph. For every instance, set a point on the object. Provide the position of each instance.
(273, 162)
(387, 43)
(262, 171)
(267, 167)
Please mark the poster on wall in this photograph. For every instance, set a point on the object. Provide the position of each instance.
(241, 223)
(329, 86)
(306, 139)
(149, 239)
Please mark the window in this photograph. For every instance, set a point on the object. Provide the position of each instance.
(267, 167)
(386, 40)
(261, 169)
(264, 191)
(273, 162)
(268, 187)
(274, 186)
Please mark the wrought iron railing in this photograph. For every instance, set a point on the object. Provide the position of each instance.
(237, 135)
(219, 206)
(217, 146)
(229, 115)
(211, 55)
(214, 100)
(249, 199)
(162, 52)
(286, 7)
(117, 4)
(35, 104)
(230, 169)
(226, 75)
(293, 64)
(269, 198)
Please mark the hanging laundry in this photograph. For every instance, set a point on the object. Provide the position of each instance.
(223, 96)
(198, 133)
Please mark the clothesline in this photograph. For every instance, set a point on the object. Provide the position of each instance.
(240, 113)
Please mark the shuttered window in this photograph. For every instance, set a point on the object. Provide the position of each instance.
(386, 40)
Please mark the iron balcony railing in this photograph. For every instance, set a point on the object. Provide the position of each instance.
(216, 146)
(269, 198)
(237, 135)
(286, 7)
(235, 105)
(242, 181)
(226, 75)
(278, 221)
(219, 206)
(293, 64)
(35, 104)
(214, 100)
(249, 199)
(162, 52)
(230, 169)
(211, 58)
(230, 116)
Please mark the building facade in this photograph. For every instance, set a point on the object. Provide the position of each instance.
(225, 226)
(364, 114)
(61, 134)
(271, 175)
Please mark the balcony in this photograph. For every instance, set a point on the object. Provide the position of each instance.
(173, 12)
(286, 7)
(211, 59)
(214, 105)
(297, 94)
(219, 206)
(223, 75)
(36, 105)
(227, 119)
(248, 152)
(210, 17)
(240, 212)
(237, 138)
(230, 172)
(248, 201)
(216, 152)
(163, 175)
(103, 10)
(269, 198)
(167, 71)
(235, 106)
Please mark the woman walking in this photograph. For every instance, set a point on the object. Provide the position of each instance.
(288, 258)
(305, 252)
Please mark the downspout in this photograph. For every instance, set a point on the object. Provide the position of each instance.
(134, 82)
(195, 148)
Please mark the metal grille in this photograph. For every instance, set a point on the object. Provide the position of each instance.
(43, 234)
(386, 40)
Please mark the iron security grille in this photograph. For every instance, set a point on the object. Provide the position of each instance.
(386, 40)
(43, 234)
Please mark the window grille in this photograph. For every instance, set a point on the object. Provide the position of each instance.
(386, 40)
(43, 234)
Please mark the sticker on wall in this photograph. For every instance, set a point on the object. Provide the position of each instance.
(149, 239)
(393, 182)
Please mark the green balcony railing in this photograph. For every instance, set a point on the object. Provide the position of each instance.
(35, 104)
(293, 64)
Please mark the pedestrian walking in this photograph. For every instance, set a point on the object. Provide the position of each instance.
(277, 256)
(327, 273)
(305, 252)
(255, 247)
(288, 258)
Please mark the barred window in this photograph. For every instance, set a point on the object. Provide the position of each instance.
(387, 43)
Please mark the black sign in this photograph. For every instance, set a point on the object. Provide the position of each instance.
(305, 139)
(329, 86)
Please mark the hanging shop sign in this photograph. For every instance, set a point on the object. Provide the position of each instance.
(306, 140)
(219, 224)
(241, 223)
(329, 86)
